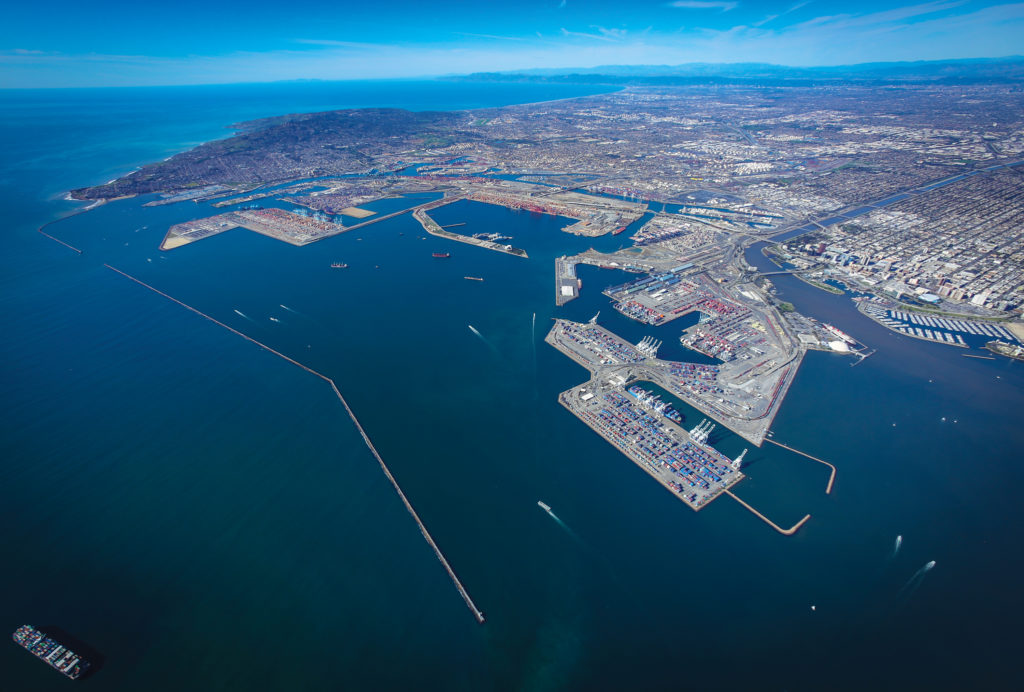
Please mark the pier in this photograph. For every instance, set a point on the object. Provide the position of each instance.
(567, 285)
(477, 613)
(433, 228)
(785, 532)
(693, 471)
(831, 478)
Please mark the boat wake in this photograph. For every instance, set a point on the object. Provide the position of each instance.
(533, 343)
(561, 523)
(243, 315)
(915, 581)
(896, 547)
(484, 339)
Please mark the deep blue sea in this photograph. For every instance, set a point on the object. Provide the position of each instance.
(204, 516)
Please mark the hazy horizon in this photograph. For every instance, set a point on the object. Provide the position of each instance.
(115, 45)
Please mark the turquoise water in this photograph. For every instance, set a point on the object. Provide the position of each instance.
(204, 515)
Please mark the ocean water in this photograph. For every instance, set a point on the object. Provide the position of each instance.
(204, 516)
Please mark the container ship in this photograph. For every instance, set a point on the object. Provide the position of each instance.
(442, 255)
(53, 653)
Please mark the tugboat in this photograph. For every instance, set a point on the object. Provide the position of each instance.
(51, 652)
(442, 255)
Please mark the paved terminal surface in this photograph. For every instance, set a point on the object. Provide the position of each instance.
(745, 401)
(433, 228)
(696, 473)
(567, 286)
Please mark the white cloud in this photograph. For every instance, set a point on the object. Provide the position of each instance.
(611, 33)
(723, 5)
(584, 34)
(899, 14)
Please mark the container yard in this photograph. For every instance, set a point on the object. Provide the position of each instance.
(743, 394)
(660, 297)
(292, 228)
(696, 473)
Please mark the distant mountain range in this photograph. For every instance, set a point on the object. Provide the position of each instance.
(970, 71)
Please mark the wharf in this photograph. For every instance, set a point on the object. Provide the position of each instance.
(689, 468)
(653, 444)
(433, 228)
(294, 229)
(567, 285)
(747, 409)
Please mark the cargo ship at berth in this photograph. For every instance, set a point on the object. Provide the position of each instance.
(51, 652)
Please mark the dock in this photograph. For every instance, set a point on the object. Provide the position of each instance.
(477, 613)
(747, 412)
(692, 471)
(433, 228)
(567, 285)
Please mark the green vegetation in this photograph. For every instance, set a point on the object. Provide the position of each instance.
(437, 141)
(785, 307)
(824, 287)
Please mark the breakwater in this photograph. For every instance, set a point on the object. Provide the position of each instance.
(477, 613)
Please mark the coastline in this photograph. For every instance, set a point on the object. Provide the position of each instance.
(238, 127)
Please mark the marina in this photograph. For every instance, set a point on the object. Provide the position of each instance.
(935, 328)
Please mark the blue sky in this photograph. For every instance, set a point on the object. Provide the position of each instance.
(61, 43)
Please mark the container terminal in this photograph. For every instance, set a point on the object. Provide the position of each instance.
(741, 395)
(51, 652)
(637, 422)
(615, 405)
(682, 462)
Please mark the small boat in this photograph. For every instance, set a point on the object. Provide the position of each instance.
(473, 278)
(544, 506)
(442, 255)
(339, 265)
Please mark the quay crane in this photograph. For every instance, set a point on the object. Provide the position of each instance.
(701, 433)
(649, 346)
